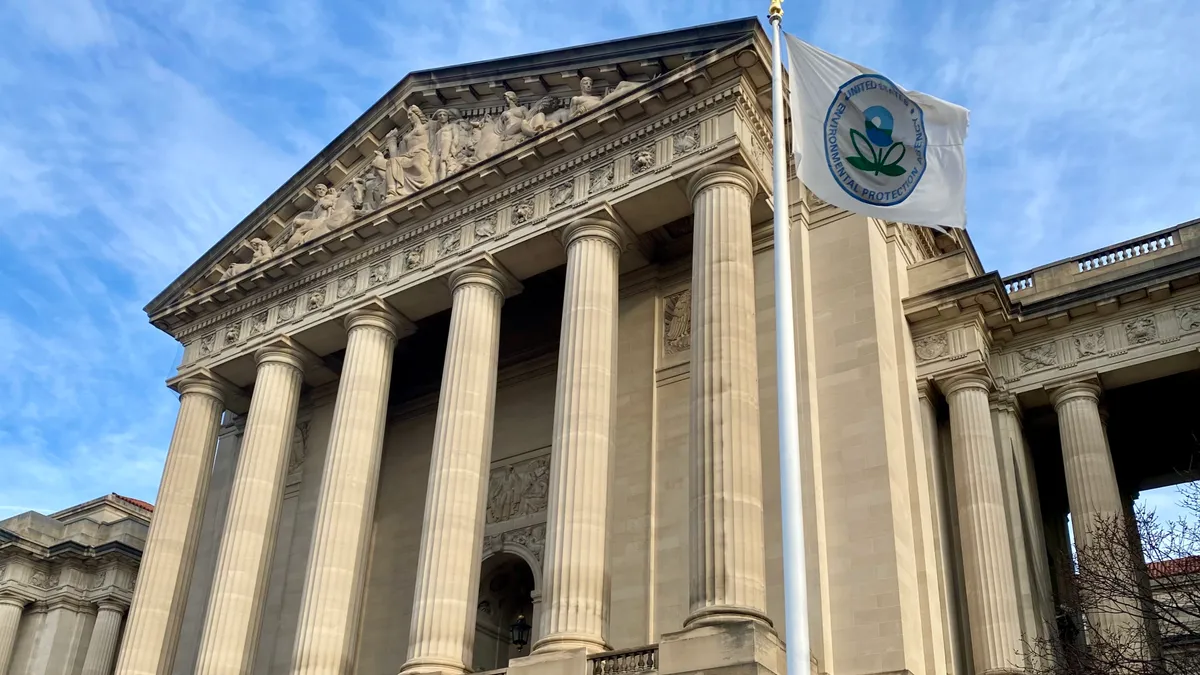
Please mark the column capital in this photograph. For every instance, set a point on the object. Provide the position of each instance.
(376, 313)
(1005, 400)
(925, 389)
(591, 227)
(480, 275)
(285, 351)
(204, 381)
(12, 599)
(112, 605)
(1067, 391)
(963, 381)
(722, 174)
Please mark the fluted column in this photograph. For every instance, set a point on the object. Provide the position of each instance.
(165, 573)
(574, 607)
(447, 590)
(230, 636)
(987, 548)
(105, 635)
(333, 584)
(11, 607)
(728, 569)
(1093, 495)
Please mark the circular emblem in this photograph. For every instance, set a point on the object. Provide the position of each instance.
(875, 141)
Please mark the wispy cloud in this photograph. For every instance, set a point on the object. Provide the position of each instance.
(134, 135)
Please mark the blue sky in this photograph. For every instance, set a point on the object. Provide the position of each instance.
(133, 135)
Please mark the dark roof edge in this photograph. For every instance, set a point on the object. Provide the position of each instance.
(702, 38)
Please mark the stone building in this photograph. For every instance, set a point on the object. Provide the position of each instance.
(505, 349)
(66, 581)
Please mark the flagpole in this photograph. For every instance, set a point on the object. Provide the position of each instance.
(795, 579)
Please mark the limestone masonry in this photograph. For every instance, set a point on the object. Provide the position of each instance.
(503, 351)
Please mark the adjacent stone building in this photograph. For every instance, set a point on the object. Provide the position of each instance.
(505, 349)
(66, 581)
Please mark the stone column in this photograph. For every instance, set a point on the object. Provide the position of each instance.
(1009, 442)
(575, 610)
(1092, 492)
(447, 590)
(230, 636)
(728, 569)
(986, 545)
(152, 632)
(105, 635)
(333, 584)
(11, 607)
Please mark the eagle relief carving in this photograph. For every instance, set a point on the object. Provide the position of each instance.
(1141, 330)
(1041, 356)
(518, 490)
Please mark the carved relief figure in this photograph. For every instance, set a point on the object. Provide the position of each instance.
(233, 333)
(523, 212)
(413, 258)
(643, 159)
(261, 252)
(1041, 356)
(600, 179)
(562, 195)
(287, 310)
(409, 170)
(518, 490)
(485, 226)
(686, 141)
(373, 183)
(378, 273)
(316, 299)
(258, 323)
(345, 286)
(449, 243)
(677, 315)
(207, 343)
(512, 122)
(449, 144)
(544, 115)
(586, 101)
(1141, 330)
(334, 208)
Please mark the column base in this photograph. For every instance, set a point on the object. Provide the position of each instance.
(567, 642)
(433, 667)
(732, 648)
(562, 662)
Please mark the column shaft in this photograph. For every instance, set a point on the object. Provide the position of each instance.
(333, 584)
(230, 637)
(105, 635)
(165, 572)
(447, 589)
(987, 551)
(10, 620)
(1009, 443)
(728, 569)
(1095, 502)
(574, 608)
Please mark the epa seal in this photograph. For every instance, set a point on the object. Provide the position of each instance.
(875, 141)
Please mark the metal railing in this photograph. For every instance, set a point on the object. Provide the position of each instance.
(625, 661)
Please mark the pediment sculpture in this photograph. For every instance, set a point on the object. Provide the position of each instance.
(431, 149)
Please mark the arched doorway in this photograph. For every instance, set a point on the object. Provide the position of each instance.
(506, 587)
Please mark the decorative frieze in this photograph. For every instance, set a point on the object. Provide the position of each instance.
(413, 258)
(449, 243)
(677, 322)
(316, 299)
(485, 226)
(1189, 318)
(522, 212)
(345, 286)
(688, 140)
(1089, 344)
(600, 179)
(378, 273)
(287, 310)
(258, 324)
(44, 580)
(532, 538)
(561, 195)
(207, 344)
(643, 159)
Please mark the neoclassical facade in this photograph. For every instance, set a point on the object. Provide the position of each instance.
(503, 351)
(66, 581)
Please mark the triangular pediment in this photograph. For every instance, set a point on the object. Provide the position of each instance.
(442, 133)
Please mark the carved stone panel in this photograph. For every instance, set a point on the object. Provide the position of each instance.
(1189, 318)
(1090, 344)
(258, 324)
(378, 273)
(518, 490)
(287, 310)
(931, 347)
(562, 195)
(686, 141)
(1141, 330)
(414, 258)
(677, 322)
(233, 333)
(643, 160)
(600, 179)
(1040, 356)
(316, 299)
(449, 243)
(485, 226)
(531, 537)
(345, 286)
(523, 212)
(207, 343)
(43, 580)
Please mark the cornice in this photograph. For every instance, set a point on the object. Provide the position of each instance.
(690, 52)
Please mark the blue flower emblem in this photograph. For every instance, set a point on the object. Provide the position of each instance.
(879, 125)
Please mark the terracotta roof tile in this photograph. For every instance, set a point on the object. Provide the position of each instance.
(1169, 568)
(136, 502)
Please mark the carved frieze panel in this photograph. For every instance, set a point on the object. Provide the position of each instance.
(486, 226)
(1037, 357)
(378, 273)
(1089, 344)
(1141, 330)
(600, 179)
(522, 212)
(518, 490)
(688, 140)
(532, 538)
(207, 344)
(44, 580)
(287, 309)
(345, 286)
(643, 159)
(1189, 318)
(931, 347)
(677, 322)
(449, 243)
(258, 324)
(561, 195)
(414, 258)
(316, 299)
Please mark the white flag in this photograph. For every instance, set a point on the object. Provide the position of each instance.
(868, 146)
